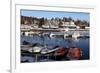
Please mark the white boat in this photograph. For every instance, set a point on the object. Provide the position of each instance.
(26, 48)
(32, 48)
(26, 33)
(66, 36)
(52, 35)
(37, 49)
(46, 50)
(75, 35)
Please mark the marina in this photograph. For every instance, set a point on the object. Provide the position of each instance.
(54, 36)
(43, 46)
(63, 32)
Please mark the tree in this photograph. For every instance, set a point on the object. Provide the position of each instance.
(85, 23)
(60, 23)
(78, 22)
(69, 19)
(41, 22)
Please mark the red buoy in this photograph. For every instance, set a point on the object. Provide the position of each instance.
(74, 53)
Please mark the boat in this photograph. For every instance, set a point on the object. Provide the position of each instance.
(45, 50)
(26, 33)
(52, 35)
(29, 47)
(60, 52)
(56, 35)
(74, 53)
(75, 35)
(36, 49)
(67, 36)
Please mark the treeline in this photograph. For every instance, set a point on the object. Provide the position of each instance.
(42, 21)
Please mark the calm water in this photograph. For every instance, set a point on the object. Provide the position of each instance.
(82, 43)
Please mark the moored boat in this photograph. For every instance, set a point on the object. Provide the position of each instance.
(74, 53)
(75, 35)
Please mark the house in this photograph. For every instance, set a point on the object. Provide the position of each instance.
(26, 27)
(45, 26)
(70, 25)
(87, 28)
(54, 26)
(35, 25)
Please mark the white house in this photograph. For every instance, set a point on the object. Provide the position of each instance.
(26, 26)
(54, 26)
(70, 25)
(35, 25)
(87, 28)
(45, 26)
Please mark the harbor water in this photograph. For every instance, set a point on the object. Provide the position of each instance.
(83, 43)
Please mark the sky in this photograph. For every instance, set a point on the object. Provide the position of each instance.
(53, 14)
